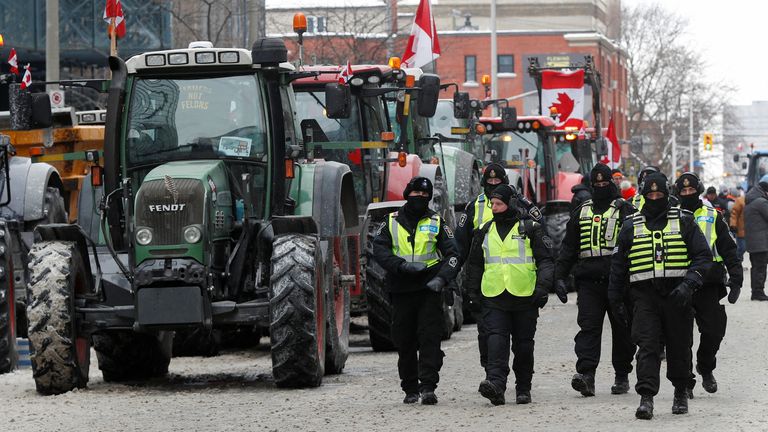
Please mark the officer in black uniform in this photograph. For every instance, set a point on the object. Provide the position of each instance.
(510, 271)
(664, 256)
(418, 251)
(710, 314)
(590, 237)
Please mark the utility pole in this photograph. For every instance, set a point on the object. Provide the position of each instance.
(494, 56)
(690, 134)
(52, 43)
(256, 20)
(673, 173)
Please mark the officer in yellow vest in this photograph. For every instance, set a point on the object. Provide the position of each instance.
(664, 256)
(710, 314)
(638, 200)
(510, 269)
(418, 251)
(590, 237)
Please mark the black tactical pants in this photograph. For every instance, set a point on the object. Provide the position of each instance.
(656, 319)
(592, 307)
(417, 329)
(711, 320)
(482, 337)
(759, 262)
(521, 326)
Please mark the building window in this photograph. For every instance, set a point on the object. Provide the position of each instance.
(506, 63)
(315, 24)
(470, 68)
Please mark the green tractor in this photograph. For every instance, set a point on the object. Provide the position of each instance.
(205, 215)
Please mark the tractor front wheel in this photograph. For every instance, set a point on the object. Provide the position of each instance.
(125, 355)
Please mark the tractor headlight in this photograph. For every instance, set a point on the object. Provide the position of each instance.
(192, 234)
(144, 236)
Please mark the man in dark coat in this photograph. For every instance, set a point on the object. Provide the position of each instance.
(418, 251)
(756, 235)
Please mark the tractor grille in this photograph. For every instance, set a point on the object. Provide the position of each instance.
(167, 206)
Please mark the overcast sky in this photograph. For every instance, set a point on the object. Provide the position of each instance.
(731, 35)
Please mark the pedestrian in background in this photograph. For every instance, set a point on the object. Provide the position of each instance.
(418, 251)
(510, 273)
(737, 226)
(756, 235)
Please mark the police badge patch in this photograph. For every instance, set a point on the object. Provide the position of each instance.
(547, 242)
(463, 220)
(453, 262)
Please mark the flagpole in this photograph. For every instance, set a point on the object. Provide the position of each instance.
(494, 57)
(113, 37)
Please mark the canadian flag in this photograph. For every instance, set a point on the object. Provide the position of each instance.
(423, 47)
(346, 73)
(26, 80)
(613, 159)
(13, 61)
(114, 9)
(563, 91)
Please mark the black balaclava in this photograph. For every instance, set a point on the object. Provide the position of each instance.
(688, 202)
(602, 194)
(416, 206)
(493, 170)
(508, 195)
(643, 173)
(655, 182)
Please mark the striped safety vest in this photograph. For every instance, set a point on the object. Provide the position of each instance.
(598, 231)
(638, 201)
(424, 246)
(658, 254)
(483, 213)
(508, 263)
(706, 216)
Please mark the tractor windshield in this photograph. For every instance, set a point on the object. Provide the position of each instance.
(444, 120)
(181, 119)
(509, 148)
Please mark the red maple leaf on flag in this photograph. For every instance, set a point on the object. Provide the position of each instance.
(564, 106)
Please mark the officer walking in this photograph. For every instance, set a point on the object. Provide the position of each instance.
(664, 256)
(510, 270)
(710, 314)
(590, 237)
(418, 251)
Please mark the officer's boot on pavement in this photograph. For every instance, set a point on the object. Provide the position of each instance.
(491, 392)
(645, 410)
(759, 295)
(523, 397)
(411, 398)
(584, 384)
(428, 398)
(620, 385)
(680, 401)
(708, 381)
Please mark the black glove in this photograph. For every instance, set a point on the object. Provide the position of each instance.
(436, 284)
(412, 268)
(733, 292)
(561, 289)
(541, 297)
(682, 294)
(448, 298)
(619, 312)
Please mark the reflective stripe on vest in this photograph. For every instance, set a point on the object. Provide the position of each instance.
(638, 201)
(481, 215)
(706, 217)
(424, 245)
(658, 254)
(508, 263)
(598, 232)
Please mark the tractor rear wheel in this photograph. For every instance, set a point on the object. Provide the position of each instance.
(197, 342)
(60, 356)
(297, 311)
(337, 333)
(8, 355)
(125, 355)
(449, 320)
(458, 311)
(379, 307)
(554, 225)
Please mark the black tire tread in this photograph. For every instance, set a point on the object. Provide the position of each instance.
(125, 355)
(379, 306)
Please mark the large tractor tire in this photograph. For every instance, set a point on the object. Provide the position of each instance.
(379, 307)
(125, 355)
(337, 332)
(197, 342)
(297, 312)
(458, 311)
(8, 355)
(449, 321)
(554, 225)
(60, 356)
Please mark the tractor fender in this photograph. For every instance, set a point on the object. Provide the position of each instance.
(334, 205)
(398, 177)
(565, 181)
(458, 169)
(28, 186)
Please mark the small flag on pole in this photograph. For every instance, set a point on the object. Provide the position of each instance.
(114, 10)
(613, 159)
(346, 73)
(13, 61)
(423, 47)
(26, 80)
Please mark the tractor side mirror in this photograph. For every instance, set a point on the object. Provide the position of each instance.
(41, 110)
(736, 158)
(429, 92)
(338, 101)
(508, 118)
(461, 108)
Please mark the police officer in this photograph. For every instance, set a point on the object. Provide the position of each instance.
(590, 237)
(710, 314)
(418, 251)
(510, 270)
(638, 199)
(663, 255)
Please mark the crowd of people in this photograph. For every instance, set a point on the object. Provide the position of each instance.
(652, 259)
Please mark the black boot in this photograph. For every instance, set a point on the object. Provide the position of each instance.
(428, 398)
(759, 295)
(523, 397)
(708, 381)
(411, 398)
(584, 384)
(680, 402)
(491, 392)
(620, 385)
(645, 410)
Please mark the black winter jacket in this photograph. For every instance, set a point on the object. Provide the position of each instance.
(756, 220)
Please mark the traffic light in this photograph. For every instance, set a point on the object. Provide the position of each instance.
(708, 139)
